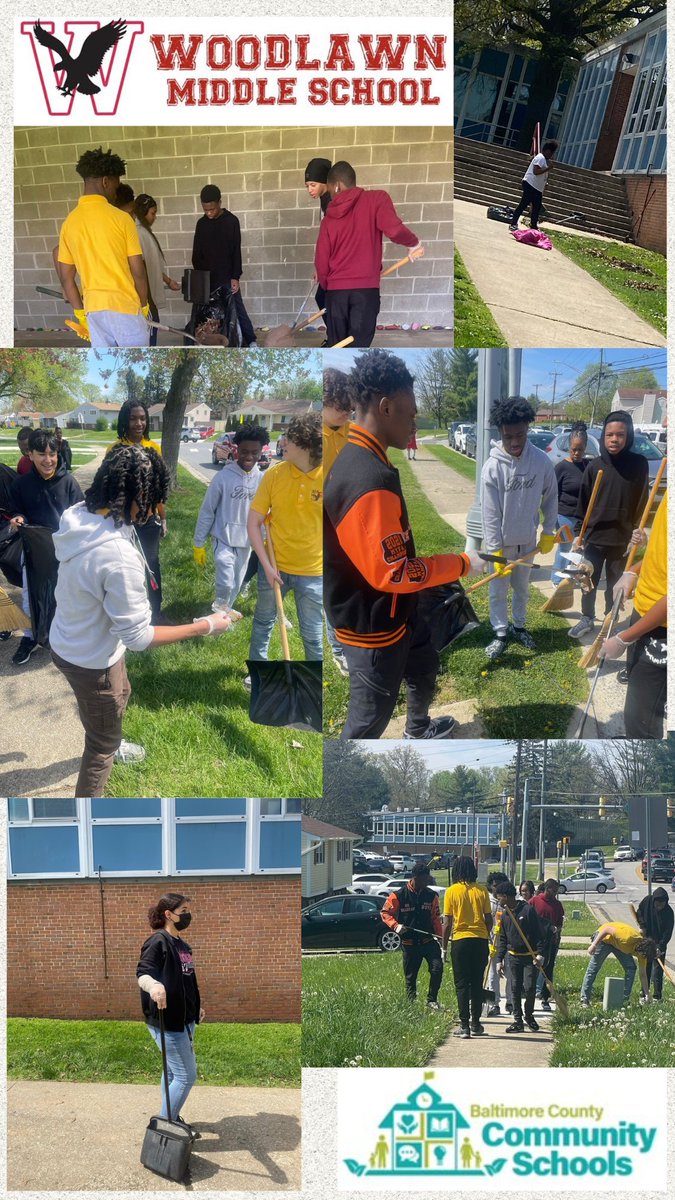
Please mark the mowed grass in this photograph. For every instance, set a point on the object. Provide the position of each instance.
(124, 1052)
(189, 708)
(355, 1013)
(522, 693)
(459, 462)
(10, 457)
(474, 324)
(644, 290)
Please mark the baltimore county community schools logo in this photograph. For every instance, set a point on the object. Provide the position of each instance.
(429, 1133)
(86, 57)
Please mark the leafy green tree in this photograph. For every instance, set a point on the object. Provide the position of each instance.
(593, 390)
(353, 785)
(407, 776)
(50, 379)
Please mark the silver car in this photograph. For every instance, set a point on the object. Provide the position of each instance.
(590, 881)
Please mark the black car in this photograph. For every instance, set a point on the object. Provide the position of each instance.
(347, 921)
(663, 870)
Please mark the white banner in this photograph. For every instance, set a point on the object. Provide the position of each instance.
(566, 1130)
(193, 72)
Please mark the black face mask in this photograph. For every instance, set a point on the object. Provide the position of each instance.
(183, 921)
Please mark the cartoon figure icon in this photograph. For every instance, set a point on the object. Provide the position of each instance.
(381, 1153)
(477, 1159)
(439, 1154)
(466, 1154)
(371, 1160)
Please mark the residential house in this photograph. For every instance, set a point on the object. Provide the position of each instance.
(87, 414)
(645, 407)
(326, 858)
(272, 414)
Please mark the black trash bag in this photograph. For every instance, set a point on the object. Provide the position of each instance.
(41, 574)
(10, 552)
(7, 477)
(500, 212)
(217, 317)
(448, 613)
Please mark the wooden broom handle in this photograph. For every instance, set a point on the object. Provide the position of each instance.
(647, 511)
(308, 320)
(283, 634)
(591, 505)
(401, 263)
(345, 342)
(519, 562)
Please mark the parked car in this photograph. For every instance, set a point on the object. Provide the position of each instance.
(207, 432)
(470, 442)
(187, 434)
(589, 881)
(224, 449)
(460, 437)
(559, 447)
(624, 854)
(452, 429)
(365, 883)
(347, 921)
(663, 870)
(402, 862)
(541, 438)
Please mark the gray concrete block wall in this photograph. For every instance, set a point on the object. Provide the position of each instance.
(260, 172)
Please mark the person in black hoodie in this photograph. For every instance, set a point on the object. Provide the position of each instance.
(569, 473)
(316, 182)
(217, 249)
(40, 498)
(619, 502)
(656, 920)
(166, 976)
(522, 966)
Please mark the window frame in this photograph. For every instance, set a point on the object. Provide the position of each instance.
(255, 829)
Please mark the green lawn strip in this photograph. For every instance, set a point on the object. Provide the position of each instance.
(524, 690)
(474, 323)
(236, 1055)
(459, 462)
(189, 708)
(355, 1014)
(648, 304)
(80, 457)
(635, 1036)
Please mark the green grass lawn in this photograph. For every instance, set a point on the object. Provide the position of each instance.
(614, 265)
(355, 1013)
(189, 708)
(523, 691)
(80, 457)
(459, 462)
(474, 324)
(265, 1055)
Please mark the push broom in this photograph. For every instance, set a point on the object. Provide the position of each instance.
(560, 1001)
(11, 616)
(563, 596)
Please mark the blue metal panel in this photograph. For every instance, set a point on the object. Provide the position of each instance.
(280, 845)
(206, 847)
(127, 848)
(211, 808)
(102, 809)
(36, 850)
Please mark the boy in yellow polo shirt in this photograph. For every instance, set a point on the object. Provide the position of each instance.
(290, 499)
(99, 243)
(623, 941)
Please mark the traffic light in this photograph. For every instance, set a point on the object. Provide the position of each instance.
(510, 806)
(671, 807)
(601, 806)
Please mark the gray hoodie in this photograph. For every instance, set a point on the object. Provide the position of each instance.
(512, 492)
(224, 510)
(102, 605)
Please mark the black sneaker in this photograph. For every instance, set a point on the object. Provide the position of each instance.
(545, 1006)
(496, 648)
(5, 635)
(477, 1030)
(522, 636)
(508, 1006)
(494, 1011)
(622, 676)
(516, 1027)
(26, 647)
(532, 1024)
(463, 1032)
(439, 727)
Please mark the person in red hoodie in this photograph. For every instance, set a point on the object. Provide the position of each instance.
(348, 255)
(547, 905)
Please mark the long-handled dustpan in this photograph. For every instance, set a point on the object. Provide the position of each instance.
(560, 1001)
(285, 694)
(167, 1144)
(57, 295)
(605, 632)
(563, 595)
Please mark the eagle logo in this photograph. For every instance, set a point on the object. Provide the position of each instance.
(80, 71)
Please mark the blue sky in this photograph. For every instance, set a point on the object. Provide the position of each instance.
(539, 365)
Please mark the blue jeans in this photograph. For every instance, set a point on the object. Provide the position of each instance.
(627, 962)
(181, 1065)
(308, 592)
(108, 328)
(562, 548)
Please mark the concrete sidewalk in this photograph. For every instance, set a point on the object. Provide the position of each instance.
(499, 1048)
(541, 298)
(66, 1137)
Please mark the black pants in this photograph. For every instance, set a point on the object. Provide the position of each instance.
(375, 678)
(469, 960)
(531, 196)
(413, 957)
(613, 558)
(247, 330)
(523, 984)
(154, 316)
(550, 955)
(149, 536)
(352, 312)
(645, 708)
(657, 970)
(320, 297)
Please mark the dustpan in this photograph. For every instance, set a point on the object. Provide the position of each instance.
(563, 595)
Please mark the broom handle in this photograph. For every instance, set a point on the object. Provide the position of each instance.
(390, 270)
(523, 935)
(164, 1063)
(519, 562)
(647, 511)
(345, 342)
(591, 506)
(308, 320)
(278, 600)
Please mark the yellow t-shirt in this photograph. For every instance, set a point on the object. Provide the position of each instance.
(98, 239)
(334, 442)
(294, 500)
(652, 584)
(467, 904)
(144, 443)
(625, 938)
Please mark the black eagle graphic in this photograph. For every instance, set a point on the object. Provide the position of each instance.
(88, 63)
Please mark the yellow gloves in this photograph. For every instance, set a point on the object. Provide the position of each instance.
(146, 311)
(199, 555)
(546, 543)
(499, 568)
(80, 326)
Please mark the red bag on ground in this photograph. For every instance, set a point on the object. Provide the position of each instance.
(533, 237)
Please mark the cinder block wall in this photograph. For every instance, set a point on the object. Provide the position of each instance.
(248, 967)
(261, 175)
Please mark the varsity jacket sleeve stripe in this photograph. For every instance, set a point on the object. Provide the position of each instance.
(390, 911)
(372, 536)
(436, 922)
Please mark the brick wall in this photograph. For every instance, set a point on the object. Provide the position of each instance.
(261, 175)
(245, 935)
(647, 199)
(612, 124)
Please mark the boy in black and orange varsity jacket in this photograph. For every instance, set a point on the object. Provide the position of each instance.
(372, 574)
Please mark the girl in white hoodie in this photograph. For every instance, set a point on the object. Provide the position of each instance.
(102, 607)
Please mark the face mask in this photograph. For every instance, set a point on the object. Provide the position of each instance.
(184, 920)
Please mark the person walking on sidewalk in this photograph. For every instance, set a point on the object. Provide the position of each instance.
(413, 912)
(467, 924)
(547, 905)
(534, 182)
(626, 944)
(168, 982)
(522, 965)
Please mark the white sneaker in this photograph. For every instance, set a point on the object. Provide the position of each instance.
(287, 623)
(247, 683)
(585, 625)
(129, 752)
(341, 663)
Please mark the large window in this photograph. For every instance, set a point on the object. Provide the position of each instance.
(589, 104)
(642, 148)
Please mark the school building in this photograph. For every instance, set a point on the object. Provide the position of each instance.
(82, 875)
(416, 831)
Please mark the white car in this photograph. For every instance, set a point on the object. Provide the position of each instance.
(392, 885)
(189, 435)
(590, 881)
(367, 885)
(402, 862)
(624, 854)
(460, 438)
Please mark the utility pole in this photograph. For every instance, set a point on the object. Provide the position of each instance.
(555, 375)
(541, 814)
(514, 826)
(597, 390)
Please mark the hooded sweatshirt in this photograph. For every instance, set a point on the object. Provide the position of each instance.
(102, 605)
(349, 246)
(217, 248)
(42, 501)
(622, 493)
(225, 507)
(659, 925)
(512, 491)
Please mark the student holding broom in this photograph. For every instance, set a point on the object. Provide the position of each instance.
(569, 473)
(613, 521)
(373, 575)
(467, 924)
(519, 915)
(133, 427)
(626, 944)
(414, 913)
(547, 905)
(656, 920)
